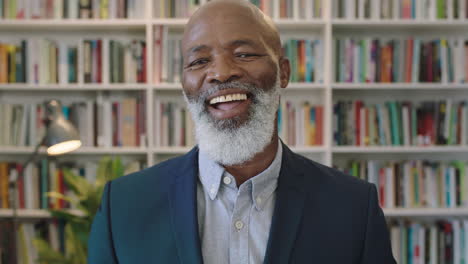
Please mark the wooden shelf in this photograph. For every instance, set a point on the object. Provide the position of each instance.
(403, 24)
(289, 24)
(171, 150)
(71, 87)
(80, 151)
(426, 212)
(72, 24)
(31, 213)
(402, 86)
(400, 149)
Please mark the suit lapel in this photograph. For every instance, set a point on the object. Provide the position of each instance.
(183, 203)
(290, 199)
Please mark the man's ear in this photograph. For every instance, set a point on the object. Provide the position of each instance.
(285, 71)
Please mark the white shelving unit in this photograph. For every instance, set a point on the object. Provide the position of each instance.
(327, 28)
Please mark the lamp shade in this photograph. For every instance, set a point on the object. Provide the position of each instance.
(61, 135)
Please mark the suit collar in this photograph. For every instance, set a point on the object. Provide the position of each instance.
(291, 195)
(290, 199)
(183, 203)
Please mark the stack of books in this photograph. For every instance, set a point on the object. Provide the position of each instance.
(300, 124)
(168, 60)
(47, 176)
(127, 61)
(430, 242)
(401, 9)
(173, 126)
(71, 9)
(371, 60)
(106, 122)
(175, 8)
(400, 123)
(300, 9)
(13, 68)
(306, 58)
(50, 61)
(416, 183)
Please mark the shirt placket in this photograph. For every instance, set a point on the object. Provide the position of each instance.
(239, 242)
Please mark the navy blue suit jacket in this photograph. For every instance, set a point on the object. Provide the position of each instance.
(321, 216)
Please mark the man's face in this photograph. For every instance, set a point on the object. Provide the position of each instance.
(227, 49)
(231, 81)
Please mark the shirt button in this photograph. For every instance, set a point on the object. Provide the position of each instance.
(259, 200)
(239, 225)
(227, 180)
(212, 191)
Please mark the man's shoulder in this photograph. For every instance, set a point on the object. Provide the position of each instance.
(158, 176)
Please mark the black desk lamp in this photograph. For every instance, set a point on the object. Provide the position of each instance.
(61, 137)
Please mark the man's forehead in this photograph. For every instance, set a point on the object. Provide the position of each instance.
(226, 31)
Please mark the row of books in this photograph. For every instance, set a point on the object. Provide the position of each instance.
(127, 62)
(175, 8)
(13, 62)
(173, 126)
(106, 122)
(437, 242)
(47, 61)
(296, 9)
(300, 124)
(71, 9)
(401, 9)
(400, 123)
(53, 231)
(415, 183)
(167, 57)
(306, 58)
(47, 176)
(364, 60)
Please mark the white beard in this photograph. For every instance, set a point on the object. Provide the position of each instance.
(229, 144)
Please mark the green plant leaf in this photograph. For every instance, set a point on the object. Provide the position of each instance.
(47, 255)
(104, 171)
(62, 197)
(117, 168)
(76, 183)
(74, 247)
(87, 197)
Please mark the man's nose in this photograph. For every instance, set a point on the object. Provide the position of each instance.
(223, 70)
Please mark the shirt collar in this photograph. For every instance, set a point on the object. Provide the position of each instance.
(263, 184)
(210, 173)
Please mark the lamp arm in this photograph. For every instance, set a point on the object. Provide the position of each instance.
(34, 154)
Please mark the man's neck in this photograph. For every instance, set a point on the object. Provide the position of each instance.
(256, 165)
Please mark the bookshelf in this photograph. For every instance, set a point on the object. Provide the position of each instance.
(327, 28)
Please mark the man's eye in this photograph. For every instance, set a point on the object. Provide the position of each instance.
(198, 62)
(245, 55)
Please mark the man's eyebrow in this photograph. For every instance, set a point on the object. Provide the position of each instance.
(196, 49)
(243, 42)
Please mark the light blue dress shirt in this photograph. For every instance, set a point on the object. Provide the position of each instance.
(234, 223)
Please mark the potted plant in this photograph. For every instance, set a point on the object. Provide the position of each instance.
(86, 199)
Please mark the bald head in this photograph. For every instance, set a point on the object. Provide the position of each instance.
(214, 13)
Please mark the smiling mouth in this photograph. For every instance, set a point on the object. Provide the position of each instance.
(229, 101)
(229, 105)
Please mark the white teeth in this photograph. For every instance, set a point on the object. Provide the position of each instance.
(228, 98)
